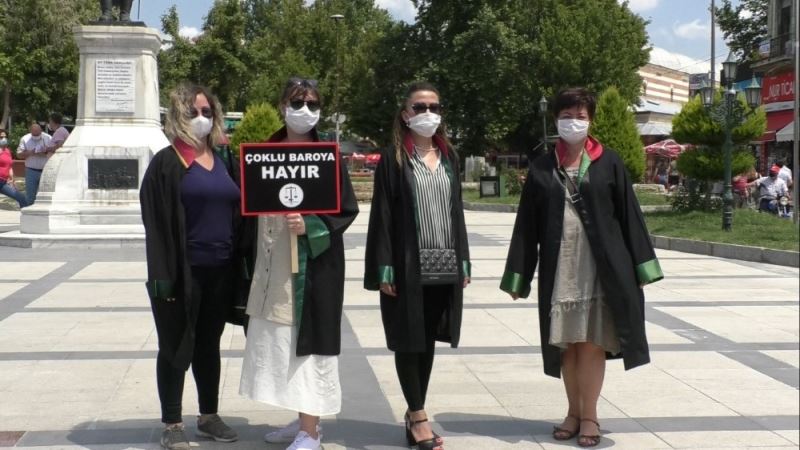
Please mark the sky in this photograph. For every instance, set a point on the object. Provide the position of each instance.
(679, 30)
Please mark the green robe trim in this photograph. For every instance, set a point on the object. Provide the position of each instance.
(160, 289)
(649, 272)
(467, 268)
(513, 283)
(316, 240)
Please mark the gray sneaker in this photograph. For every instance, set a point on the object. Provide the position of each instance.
(174, 438)
(215, 428)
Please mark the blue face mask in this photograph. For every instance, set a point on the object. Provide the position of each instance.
(3, 142)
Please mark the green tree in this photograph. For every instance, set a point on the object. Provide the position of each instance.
(615, 127)
(493, 61)
(694, 125)
(258, 124)
(177, 63)
(39, 58)
(744, 25)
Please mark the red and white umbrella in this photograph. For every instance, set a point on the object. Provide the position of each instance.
(667, 148)
(374, 158)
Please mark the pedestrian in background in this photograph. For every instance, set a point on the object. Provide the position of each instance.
(58, 131)
(33, 148)
(7, 185)
(580, 223)
(417, 210)
(294, 326)
(190, 214)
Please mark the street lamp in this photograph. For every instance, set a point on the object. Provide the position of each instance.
(543, 111)
(336, 116)
(729, 114)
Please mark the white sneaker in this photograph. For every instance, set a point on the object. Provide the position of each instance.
(305, 442)
(287, 434)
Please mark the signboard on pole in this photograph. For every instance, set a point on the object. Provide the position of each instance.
(284, 178)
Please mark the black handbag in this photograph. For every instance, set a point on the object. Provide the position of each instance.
(438, 266)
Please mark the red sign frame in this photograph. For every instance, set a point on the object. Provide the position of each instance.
(284, 145)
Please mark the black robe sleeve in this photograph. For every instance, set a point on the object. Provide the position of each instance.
(523, 253)
(379, 265)
(634, 229)
(158, 227)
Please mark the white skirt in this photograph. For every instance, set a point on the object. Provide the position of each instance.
(273, 374)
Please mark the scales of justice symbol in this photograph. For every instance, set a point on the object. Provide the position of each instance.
(291, 195)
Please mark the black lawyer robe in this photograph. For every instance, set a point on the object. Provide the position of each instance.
(320, 330)
(169, 275)
(618, 238)
(392, 254)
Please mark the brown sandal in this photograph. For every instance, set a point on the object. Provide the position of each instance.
(589, 440)
(563, 434)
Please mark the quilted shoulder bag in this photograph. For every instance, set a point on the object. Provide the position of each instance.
(438, 266)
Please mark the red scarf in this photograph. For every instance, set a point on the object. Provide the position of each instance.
(593, 148)
(185, 151)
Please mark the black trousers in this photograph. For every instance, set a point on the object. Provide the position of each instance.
(208, 284)
(414, 369)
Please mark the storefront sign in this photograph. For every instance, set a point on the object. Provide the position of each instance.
(282, 178)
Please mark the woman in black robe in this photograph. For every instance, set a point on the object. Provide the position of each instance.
(416, 204)
(294, 327)
(579, 220)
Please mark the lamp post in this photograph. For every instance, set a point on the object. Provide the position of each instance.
(338, 19)
(729, 114)
(543, 111)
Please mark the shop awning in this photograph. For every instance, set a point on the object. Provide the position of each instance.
(654, 129)
(786, 133)
(776, 121)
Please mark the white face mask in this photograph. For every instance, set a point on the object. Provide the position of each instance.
(302, 120)
(573, 130)
(37, 138)
(425, 124)
(201, 127)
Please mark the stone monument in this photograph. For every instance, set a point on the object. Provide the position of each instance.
(89, 192)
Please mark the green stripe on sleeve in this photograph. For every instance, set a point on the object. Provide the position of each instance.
(513, 283)
(649, 272)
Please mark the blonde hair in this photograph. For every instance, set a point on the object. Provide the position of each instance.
(178, 120)
(401, 129)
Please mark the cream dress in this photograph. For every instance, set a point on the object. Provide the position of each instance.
(271, 371)
(578, 310)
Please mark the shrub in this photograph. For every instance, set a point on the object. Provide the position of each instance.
(615, 127)
(260, 121)
(708, 163)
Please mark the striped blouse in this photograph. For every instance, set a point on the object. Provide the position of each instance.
(433, 204)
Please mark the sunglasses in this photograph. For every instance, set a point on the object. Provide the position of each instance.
(297, 81)
(420, 108)
(313, 105)
(206, 112)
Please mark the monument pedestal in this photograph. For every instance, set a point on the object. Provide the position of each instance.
(89, 191)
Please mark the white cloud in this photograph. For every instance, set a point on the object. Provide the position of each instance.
(641, 5)
(399, 9)
(692, 30)
(189, 32)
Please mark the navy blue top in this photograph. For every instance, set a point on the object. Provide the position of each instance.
(209, 198)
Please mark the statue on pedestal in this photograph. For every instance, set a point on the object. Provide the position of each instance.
(124, 10)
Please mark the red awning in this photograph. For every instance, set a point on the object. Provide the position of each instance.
(776, 121)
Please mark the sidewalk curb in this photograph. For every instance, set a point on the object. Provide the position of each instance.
(729, 251)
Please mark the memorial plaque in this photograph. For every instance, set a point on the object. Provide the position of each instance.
(115, 86)
(113, 174)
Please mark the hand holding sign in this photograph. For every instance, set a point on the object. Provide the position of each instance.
(296, 224)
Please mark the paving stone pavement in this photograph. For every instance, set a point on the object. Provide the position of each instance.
(77, 359)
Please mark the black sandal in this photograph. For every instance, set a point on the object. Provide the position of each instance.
(427, 444)
(589, 440)
(563, 434)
